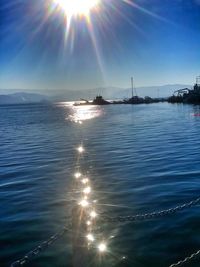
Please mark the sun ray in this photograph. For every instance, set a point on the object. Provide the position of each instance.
(96, 49)
(98, 18)
(121, 14)
(144, 10)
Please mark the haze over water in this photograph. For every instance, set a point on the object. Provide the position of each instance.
(140, 158)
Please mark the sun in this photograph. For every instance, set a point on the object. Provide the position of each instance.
(77, 7)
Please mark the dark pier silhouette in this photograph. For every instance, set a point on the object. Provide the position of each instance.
(186, 95)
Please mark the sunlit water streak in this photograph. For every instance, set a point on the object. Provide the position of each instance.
(78, 114)
(146, 156)
(84, 214)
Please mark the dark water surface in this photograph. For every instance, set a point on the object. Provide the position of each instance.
(139, 158)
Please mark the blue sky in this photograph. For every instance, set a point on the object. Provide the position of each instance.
(156, 41)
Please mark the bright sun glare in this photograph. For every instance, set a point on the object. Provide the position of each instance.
(77, 7)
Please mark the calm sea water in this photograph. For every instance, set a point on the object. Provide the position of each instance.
(139, 158)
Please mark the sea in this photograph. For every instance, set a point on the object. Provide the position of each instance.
(135, 159)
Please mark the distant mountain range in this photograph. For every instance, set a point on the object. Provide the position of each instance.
(116, 92)
(21, 97)
(66, 95)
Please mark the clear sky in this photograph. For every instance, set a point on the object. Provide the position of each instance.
(156, 41)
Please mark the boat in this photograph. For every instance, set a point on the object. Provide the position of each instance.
(135, 99)
(98, 100)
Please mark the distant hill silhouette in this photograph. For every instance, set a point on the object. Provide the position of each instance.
(118, 93)
(21, 97)
(70, 95)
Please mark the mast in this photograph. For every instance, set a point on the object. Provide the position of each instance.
(198, 80)
(132, 85)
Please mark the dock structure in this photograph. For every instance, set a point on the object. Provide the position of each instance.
(186, 95)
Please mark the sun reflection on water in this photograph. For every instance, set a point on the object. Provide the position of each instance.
(88, 214)
(80, 113)
(77, 175)
(80, 149)
(102, 247)
(83, 113)
(84, 203)
(90, 237)
(87, 190)
(93, 214)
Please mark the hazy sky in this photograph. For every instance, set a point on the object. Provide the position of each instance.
(156, 41)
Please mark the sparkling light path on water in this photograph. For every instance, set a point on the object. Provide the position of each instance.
(88, 208)
(89, 224)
